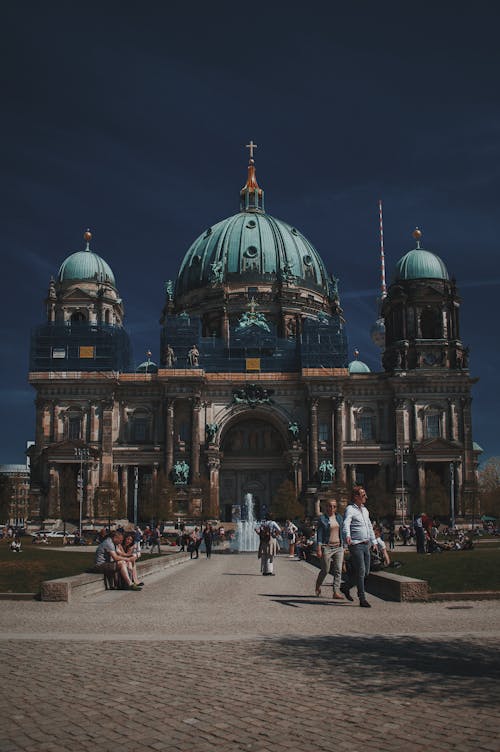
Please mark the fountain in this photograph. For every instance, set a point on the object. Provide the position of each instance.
(246, 537)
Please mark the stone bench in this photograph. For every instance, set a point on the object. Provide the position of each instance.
(85, 584)
(397, 587)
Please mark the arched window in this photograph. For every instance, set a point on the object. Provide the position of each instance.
(432, 424)
(73, 420)
(141, 427)
(365, 425)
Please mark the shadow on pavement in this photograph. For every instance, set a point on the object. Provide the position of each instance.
(401, 666)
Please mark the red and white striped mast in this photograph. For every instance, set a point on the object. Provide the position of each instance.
(382, 255)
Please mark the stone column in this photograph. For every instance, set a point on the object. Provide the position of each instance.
(421, 482)
(195, 440)
(225, 326)
(313, 439)
(124, 487)
(54, 501)
(169, 437)
(338, 444)
(107, 442)
(85, 426)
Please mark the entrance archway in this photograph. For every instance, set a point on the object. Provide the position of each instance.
(253, 452)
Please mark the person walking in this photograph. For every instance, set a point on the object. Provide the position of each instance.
(268, 547)
(208, 537)
(291, 535)
(359, 536)
(330, 545)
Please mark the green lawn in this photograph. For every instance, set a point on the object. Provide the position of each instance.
(24, 572)
(454, 571)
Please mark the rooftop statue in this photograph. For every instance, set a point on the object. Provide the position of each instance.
(194, 357)
(169, 290)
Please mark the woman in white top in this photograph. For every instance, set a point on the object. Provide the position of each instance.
(291, 534)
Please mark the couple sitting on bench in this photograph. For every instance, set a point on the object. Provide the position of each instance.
(115, 557)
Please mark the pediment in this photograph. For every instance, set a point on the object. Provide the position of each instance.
(438, 449)
(64, 451)
(76, 294)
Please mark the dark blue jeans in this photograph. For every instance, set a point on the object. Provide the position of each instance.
(360, 567)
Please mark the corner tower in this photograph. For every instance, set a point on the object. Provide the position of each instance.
(84, 329)
(421, 315)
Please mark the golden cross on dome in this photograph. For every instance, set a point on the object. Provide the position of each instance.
(251, 146)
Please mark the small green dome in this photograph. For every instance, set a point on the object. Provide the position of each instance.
(420, 264)
(357, 366)
(84, 265)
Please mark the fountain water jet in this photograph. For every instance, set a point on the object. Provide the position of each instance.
(246, 537)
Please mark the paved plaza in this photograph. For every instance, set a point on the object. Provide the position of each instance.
(213, 656)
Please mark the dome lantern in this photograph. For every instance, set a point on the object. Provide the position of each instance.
(251, 195)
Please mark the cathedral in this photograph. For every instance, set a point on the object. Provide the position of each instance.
(253, 386)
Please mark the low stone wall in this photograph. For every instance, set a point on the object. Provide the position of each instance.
(392, 587)
(82, 585)
(397, 587)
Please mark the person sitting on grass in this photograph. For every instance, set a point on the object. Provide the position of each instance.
(15, 546)
(383, 554)
(111, 562)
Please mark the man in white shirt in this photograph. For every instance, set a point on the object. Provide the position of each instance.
(359, 536)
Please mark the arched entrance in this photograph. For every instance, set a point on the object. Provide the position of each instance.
(253, 462)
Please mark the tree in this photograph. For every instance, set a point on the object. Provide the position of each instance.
(285, 505)
(380, 500)
(437, 496)
(69, 494)
(489, 487)
(5, 497)
(158, 498)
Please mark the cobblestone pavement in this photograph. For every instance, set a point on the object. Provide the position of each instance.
(211, 656)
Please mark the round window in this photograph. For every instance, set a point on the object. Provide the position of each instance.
(307, 260)
(251, 251)
(251, 223)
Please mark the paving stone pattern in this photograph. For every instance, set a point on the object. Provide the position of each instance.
(284, 691)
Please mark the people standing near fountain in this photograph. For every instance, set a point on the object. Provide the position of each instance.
(330, 545)
(268, 546)
(291, 534)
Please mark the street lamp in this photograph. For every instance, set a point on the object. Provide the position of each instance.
(452, 495)
(136, 486)
(82, 454)
(401, 453)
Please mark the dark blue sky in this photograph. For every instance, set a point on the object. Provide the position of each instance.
(130, 118)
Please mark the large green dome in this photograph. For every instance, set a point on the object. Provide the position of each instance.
(420, 264)
(252, 243)
(85, 265)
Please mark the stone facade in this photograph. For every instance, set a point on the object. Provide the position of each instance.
(253, 388)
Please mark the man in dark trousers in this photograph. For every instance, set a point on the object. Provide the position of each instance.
(359, 536)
